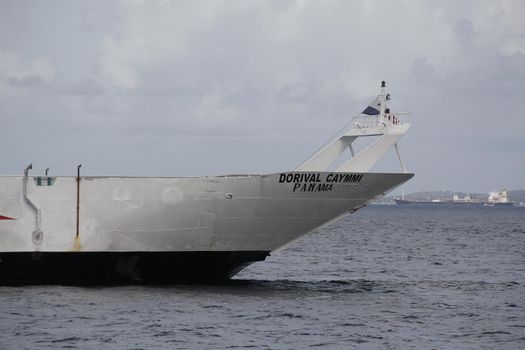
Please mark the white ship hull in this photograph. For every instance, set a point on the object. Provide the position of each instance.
(175, 225)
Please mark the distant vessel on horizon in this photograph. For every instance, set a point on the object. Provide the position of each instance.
(495, 199)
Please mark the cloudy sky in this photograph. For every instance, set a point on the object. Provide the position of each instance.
(176, 88)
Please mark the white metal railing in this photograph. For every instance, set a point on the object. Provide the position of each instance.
(402, 118)
(362, 123)
(374, 121)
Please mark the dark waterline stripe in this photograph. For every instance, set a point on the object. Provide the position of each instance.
(88, 268)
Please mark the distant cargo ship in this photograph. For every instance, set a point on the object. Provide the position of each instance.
(495, 199)
(407, 201)
(437, 201)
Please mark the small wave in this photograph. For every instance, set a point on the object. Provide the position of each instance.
(496, 332)
(289, 315)
(66, 340)
(324, 286)
(352, 324)
(324, 345)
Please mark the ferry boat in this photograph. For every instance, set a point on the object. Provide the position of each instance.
(108, 229)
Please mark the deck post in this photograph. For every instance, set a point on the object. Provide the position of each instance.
(399, 157)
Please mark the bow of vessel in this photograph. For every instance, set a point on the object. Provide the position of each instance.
(85, 229)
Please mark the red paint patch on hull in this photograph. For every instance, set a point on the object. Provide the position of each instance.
(5, 218)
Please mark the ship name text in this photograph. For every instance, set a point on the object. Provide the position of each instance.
(317, 182)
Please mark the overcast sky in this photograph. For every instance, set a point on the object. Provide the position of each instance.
(176, 88)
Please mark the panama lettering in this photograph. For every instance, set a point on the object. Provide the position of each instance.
(313, 182)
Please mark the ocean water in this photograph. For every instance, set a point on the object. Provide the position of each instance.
(386, 277)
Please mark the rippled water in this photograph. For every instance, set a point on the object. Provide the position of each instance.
(388, 277)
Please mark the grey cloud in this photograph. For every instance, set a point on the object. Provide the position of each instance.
(30, 80)
(465, 32)
(86, 87)
(423, 70)
(512, 68)
(293, 93)
(191, 88)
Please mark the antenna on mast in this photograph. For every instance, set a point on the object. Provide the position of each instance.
(382, 99)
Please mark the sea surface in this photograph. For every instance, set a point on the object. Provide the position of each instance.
(385, 277)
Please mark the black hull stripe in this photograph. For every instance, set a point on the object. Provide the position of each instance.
(89, 268)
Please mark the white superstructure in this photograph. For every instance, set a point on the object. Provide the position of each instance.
(375, 121)
(499, 198)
